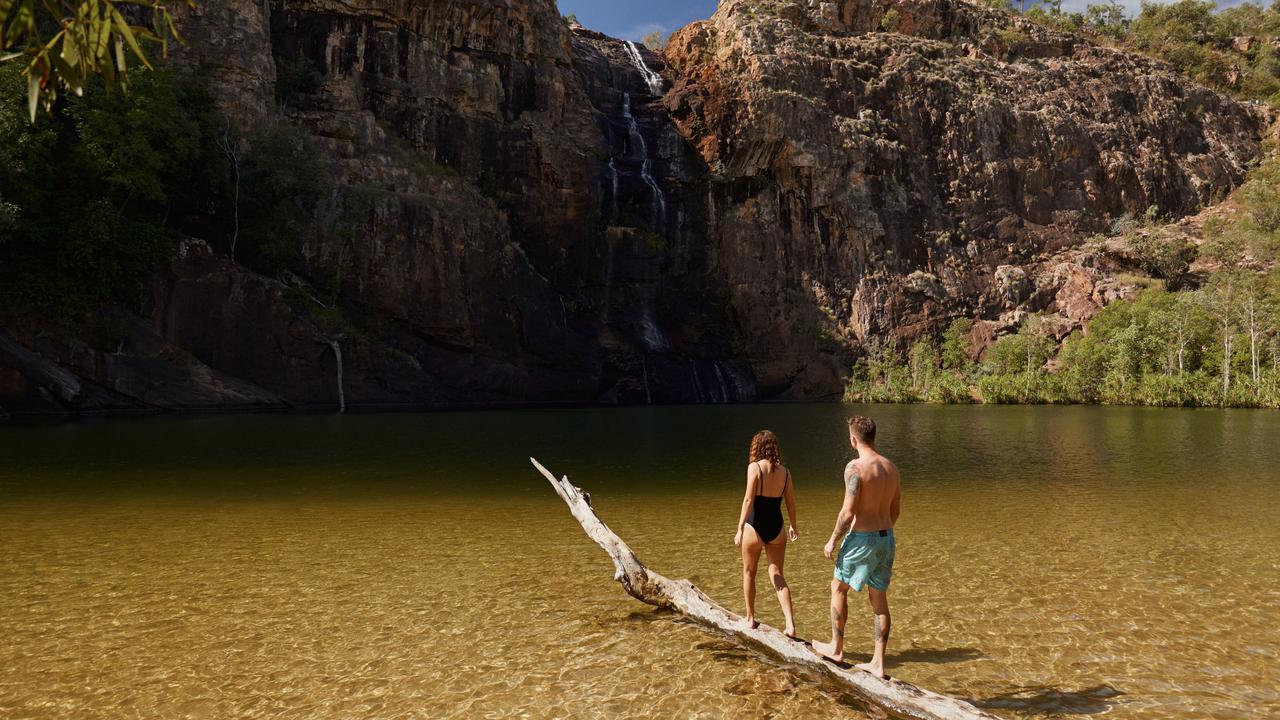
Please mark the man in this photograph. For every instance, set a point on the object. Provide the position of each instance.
(871, 505)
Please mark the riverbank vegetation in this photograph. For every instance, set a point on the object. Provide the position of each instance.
(1215, 343)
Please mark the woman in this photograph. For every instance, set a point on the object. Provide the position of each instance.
(760, 524)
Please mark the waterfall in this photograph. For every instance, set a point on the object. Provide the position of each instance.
(724, 390)
(651, 78)
(644, 366)
(613, 175)
(646, 169)
(337, 354)
(697, 381)
(653, 337)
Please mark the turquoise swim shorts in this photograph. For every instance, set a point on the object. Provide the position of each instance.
(866, 558)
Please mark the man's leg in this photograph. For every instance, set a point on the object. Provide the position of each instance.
(880, 608)
(839, 613)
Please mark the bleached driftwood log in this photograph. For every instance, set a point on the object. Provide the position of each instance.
(682, 596)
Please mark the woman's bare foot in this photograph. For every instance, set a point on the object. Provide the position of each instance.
(877, 670)
(828, 651)
(790, 632)
(750, 622)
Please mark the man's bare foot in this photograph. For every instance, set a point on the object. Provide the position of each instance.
(877, 670)
(790, 632)
(828, 651)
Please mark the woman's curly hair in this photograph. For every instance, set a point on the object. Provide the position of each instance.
(764, 446)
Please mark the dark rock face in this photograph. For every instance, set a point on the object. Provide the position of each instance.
(539, 213)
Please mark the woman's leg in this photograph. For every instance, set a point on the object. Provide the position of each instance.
(776, 552)
(751, 546)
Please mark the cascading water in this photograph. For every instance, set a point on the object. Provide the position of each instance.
(651, 78)
(649, 331)
(697, 381)
(644, 365)
(613, 176)
(646, 168)
(724, 388)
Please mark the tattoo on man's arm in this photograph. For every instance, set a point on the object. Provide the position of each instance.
(852, 482)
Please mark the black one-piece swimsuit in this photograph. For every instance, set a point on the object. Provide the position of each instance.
(766, 512)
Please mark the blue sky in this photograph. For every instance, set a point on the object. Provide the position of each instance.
(633, 19)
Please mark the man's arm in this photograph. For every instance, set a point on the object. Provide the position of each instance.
(895, 507)
(852, 480)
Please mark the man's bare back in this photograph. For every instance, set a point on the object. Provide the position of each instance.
(878, 483)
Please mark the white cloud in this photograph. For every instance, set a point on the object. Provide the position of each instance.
(639, 31)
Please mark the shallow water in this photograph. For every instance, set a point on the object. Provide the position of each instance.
(1052, 562)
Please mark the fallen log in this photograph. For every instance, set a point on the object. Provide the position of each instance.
(684, 597)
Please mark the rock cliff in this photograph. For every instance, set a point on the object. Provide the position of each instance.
(878, 168)
(527, 212)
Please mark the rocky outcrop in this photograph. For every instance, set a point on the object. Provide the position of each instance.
(526, 212)
(880, 167)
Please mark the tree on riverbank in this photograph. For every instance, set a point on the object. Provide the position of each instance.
(1213, 345)
(1218, 346)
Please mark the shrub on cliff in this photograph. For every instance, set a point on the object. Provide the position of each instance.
(283, 183)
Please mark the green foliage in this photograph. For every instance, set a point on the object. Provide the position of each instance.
(92, 195)
(880, 378)
(65, 43)
(1105, 18)
(296, 77)
(1008, 40)
(655, 40)
(1168, 258)
(283, 183)
(1160, 348)
(955, 344)
(1229, 49)
(89, 191)
(889, 21)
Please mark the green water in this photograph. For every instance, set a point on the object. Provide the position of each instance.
(1052, 561)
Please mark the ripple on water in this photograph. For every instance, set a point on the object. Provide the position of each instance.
(336, 583)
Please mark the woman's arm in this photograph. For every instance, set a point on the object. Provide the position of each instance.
(747, 501)
(788, 492)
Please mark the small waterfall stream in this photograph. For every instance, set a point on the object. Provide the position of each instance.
(646, 168)
(644, 366)
(651, 78)
(613, 176)
(724, 389)
(336, 346)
